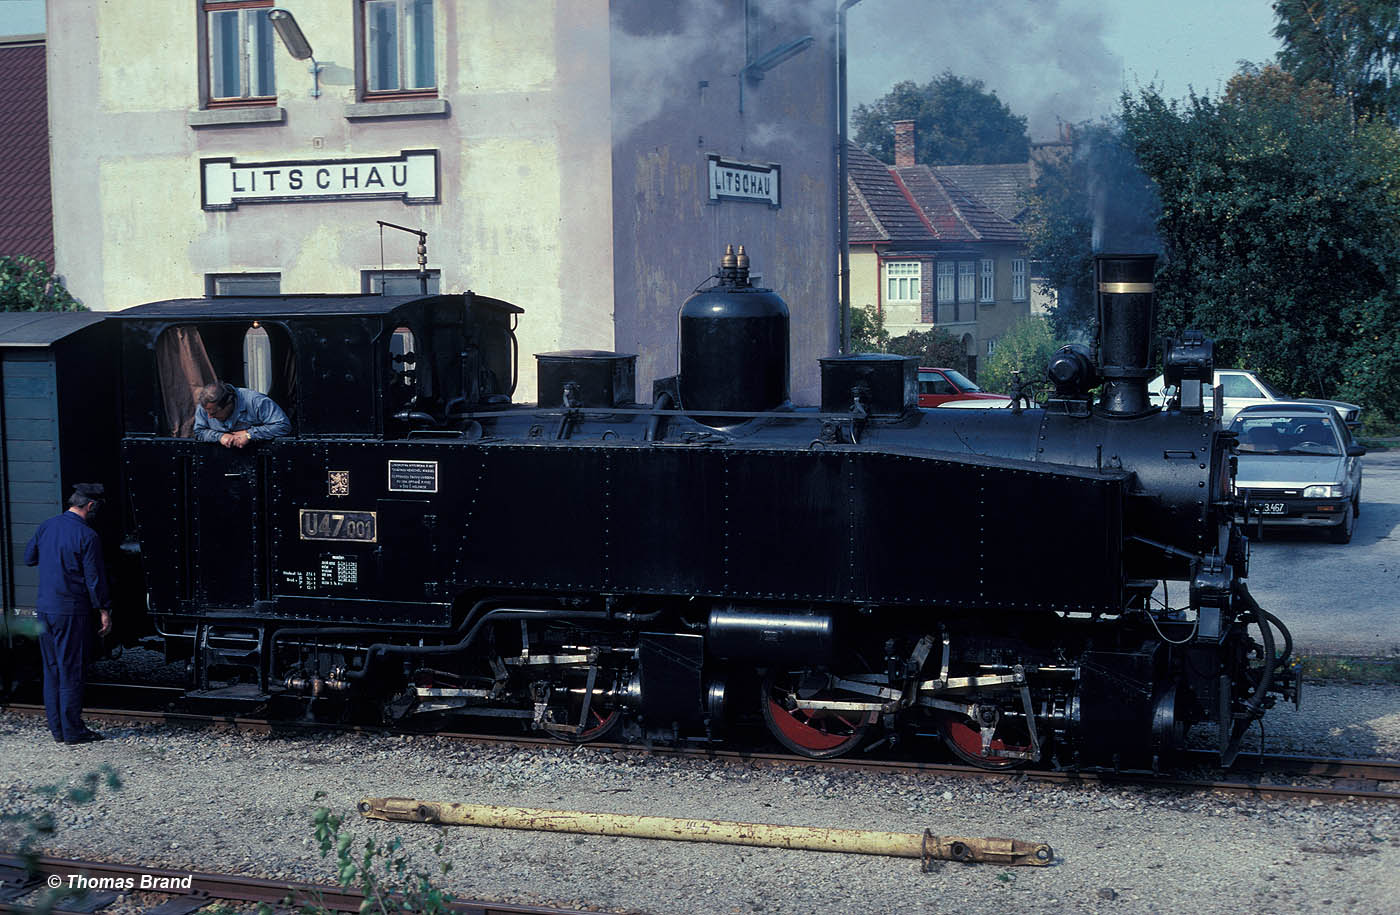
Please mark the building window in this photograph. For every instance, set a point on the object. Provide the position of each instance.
(902, 281)
(397, 48)
(991, 347)
(238, 57)
(397, 282)
(945, 282)
(967, 280)
(989, 293)
(1018, 279)
(242, 284)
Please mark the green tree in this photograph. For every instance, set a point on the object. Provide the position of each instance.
(26, 284)
(1281, 229)
(934, 347)
(1026, 349)
(956, 122)
(868, 333)
(1353, 46)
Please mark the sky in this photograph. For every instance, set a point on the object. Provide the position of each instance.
(1057, 61)
(1051, 61)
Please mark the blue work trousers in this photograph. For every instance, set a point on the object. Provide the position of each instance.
(65, 645)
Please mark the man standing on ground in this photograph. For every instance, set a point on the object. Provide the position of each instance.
(72, 584)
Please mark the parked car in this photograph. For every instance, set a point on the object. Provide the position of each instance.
(1298, 467)
(940, 386)
(1241, 389)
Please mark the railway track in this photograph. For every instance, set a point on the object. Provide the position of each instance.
(1266, 776)
(183, 892)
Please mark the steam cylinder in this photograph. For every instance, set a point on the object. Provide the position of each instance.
(734, 345)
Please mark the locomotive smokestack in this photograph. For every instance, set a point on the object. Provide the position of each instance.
(1126, 309)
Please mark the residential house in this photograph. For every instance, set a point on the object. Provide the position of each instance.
(927, 251)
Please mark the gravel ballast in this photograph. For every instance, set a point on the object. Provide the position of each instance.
(221, 801)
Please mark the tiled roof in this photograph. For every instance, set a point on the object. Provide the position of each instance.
(26, 208)
(879, 209)
(1002, 187)
(956, 215)
(916, 204)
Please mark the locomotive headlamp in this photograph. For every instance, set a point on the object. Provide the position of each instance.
(294, 40)
(1188, 365)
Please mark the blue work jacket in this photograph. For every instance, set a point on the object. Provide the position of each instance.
(253, 411)
(72, 575)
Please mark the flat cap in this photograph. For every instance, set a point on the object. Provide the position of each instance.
(90, 490)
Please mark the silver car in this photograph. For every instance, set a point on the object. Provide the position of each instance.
(1298, 467)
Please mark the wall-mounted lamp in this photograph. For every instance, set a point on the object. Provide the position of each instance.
(755, 69)
(296, 44)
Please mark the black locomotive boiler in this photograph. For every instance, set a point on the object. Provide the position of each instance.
(849, 572)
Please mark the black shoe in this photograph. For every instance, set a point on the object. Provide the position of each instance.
(85, 737)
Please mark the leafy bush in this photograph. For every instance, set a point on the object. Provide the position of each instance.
(27, 284)
(1025, 348)
(935, 347)
(381, 871)
(868, 333)
(37, 826)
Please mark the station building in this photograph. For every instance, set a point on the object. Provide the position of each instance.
(587, 160)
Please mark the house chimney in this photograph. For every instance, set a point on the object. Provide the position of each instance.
(903, 143)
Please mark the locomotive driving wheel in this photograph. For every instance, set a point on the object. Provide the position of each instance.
(568, 720)
(817, 734)
(963, 737)
(601, 723)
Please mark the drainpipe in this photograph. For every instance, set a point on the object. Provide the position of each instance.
(843, 251)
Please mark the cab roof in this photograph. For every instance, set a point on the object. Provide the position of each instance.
(269, 306)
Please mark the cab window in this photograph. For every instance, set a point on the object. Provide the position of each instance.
(247, 354)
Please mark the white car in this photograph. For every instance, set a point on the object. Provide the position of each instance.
(1241, 389)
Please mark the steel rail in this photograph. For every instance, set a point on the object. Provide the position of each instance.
(208, 887)
(1359, 779)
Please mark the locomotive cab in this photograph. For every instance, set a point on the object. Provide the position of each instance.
(218, 527)
(375, 366)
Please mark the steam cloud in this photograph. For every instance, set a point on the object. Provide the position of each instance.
(1046, 59)
(661, 51)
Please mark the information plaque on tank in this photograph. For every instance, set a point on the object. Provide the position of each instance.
(413, 476)
(317, 524)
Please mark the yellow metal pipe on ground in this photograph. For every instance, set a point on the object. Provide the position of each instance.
(927, 847)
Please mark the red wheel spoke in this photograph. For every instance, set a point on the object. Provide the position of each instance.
(801, 730)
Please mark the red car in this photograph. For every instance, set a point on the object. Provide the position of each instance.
(940, 386)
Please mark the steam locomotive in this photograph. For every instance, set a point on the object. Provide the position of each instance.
(586, 563)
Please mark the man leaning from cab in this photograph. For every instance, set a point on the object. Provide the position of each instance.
(233, 417)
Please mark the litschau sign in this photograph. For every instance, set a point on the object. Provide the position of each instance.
(731, 180)
(411, 176)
